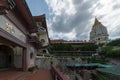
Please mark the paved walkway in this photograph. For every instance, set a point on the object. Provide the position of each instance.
(41, 74)
(14, 75)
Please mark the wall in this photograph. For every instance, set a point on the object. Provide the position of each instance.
(18, 51)
(45, 37)
(31, 60)
(43, 63)
(41, 51)
(9, 27)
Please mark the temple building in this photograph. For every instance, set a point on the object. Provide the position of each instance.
(73, 47)
(99, 33)
(20, 37)
(42, 33)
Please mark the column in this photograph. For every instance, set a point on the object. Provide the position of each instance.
(24, 59)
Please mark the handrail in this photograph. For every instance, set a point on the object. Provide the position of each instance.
(57, 74)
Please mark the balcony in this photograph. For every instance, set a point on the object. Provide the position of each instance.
(5, 6)
(33, 38)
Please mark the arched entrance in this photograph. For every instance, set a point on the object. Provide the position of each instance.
(6, 57)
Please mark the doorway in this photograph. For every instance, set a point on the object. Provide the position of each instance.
(6, 57)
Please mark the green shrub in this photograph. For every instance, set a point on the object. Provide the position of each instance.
(32, 69)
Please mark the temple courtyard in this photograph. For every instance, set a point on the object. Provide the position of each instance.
(40, 74)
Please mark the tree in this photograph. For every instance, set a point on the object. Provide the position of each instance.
(62, 47)
(115, 42)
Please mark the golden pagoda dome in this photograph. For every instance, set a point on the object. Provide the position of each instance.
(96, 22)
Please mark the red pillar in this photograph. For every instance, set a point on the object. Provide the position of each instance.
(24, 59)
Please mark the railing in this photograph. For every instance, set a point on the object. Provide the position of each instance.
(57, 75)
(75, 53)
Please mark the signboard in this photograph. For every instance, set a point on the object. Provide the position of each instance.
(9, 27)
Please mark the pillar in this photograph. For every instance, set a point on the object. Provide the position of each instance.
(24, 59)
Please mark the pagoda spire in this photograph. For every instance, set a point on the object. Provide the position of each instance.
(96, 22)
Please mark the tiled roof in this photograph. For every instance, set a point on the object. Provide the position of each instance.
(71, 41)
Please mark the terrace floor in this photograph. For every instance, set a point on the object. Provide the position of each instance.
(40, 74)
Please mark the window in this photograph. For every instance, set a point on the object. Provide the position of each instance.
(98, 38)
(31, 55)
(42, 40)
(44, 51)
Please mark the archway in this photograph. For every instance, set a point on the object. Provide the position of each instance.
(6, 57)
(44, 51)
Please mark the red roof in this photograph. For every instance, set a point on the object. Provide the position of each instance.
(22, 8)
(70, 42)
(57, 41)
(42, 19)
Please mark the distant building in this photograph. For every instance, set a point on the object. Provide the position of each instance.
(71, 41)
(72, 47)
(99, 33)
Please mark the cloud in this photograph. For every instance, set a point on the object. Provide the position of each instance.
(73, 19)
(117, 6)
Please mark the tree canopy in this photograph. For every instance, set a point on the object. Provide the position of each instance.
(73, 47)
(112, 49)
(115, 42)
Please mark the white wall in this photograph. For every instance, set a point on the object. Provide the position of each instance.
(31, 61)
(45, 37)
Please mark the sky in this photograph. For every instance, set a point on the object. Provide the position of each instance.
(73, 19)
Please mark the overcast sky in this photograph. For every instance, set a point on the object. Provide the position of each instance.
(73, 19)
